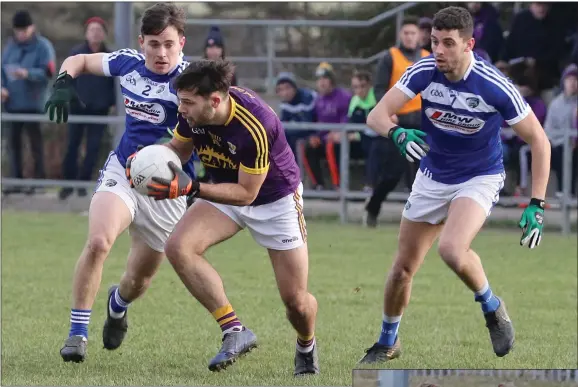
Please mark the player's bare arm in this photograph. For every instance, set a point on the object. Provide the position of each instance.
(242, 193)
(380, 117)
(381, 120)
(532, 221)
(183, 147)
(530, 130)
(83, 64)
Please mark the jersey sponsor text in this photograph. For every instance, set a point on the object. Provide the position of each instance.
(446, 120)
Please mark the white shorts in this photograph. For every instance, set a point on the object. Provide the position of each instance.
(277, 226)
(430, 200)
(153, 221)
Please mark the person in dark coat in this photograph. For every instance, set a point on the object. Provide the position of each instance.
(98, 95)
(487, 30)
(215, 48)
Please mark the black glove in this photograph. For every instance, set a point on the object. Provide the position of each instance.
(61, 98)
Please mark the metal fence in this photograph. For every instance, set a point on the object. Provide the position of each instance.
(124, 36)
(401, 378)
(344, 195)
(271, 24)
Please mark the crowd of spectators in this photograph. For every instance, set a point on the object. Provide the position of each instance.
(28, 70)
(539, 52)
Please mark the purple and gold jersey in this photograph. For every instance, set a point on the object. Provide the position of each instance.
(252, 139)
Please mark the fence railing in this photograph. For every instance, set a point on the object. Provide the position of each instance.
(270, 24)
(344, 195)
(401, 378)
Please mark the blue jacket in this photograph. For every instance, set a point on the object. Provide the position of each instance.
(301, 108)
(97, 92)
(37, 56)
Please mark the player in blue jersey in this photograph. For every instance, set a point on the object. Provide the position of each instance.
(151, 107)
(464, 100)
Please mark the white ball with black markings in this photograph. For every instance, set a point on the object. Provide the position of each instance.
(152, 161)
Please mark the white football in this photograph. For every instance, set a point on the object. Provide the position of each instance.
(152, 161)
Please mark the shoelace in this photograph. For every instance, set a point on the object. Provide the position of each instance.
(380, 354)
(308, 358)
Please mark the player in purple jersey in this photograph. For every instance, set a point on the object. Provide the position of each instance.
(151, 107)
(256, 185)
(464, 101)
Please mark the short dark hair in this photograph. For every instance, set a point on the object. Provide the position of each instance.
(205, 77)
(362, 75)
(454, 18)
(410, 20)
(157, 18)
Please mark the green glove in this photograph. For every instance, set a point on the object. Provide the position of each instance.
(409, 142)
(61, 98)
(531, 223)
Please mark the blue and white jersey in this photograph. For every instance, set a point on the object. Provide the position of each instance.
(462, 119)
(150, 101)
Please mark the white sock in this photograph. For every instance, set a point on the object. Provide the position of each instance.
(120, 302)
(305, 349)
(236, 328)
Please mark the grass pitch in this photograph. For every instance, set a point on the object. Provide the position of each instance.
(171, 337)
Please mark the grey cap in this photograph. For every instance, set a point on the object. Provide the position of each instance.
(287, 77)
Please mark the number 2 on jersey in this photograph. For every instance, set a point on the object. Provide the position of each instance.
(146, 90)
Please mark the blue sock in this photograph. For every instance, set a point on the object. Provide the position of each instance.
(389, 328)
(487, 299)
(117, 305)
(79, 319)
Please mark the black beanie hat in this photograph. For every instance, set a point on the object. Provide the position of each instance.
(21, 19)
(214, 38)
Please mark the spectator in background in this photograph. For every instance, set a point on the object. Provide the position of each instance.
(98, 94)
(536, 36)
(503, 67)
(361, 104)
(574, 53)
(331, 106)
(389, 70)
(215, 48)
(529, 90)
(561, 117)
(362, 101)
(297, 105)
(28, 64)
(487, 30)
(425, 25)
